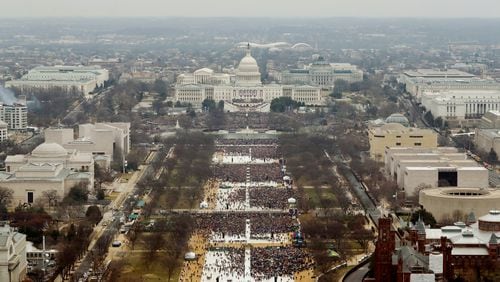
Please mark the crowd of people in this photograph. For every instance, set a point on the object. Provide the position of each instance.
(256, 172)
(224, 224)
(230, 199)
(256, 151)
(224, 262)
(263, 223)
(234, 224)
(247, 142)
(236, 120)
(270, 197)
(272, 262)
(262, 197)
(249, 182)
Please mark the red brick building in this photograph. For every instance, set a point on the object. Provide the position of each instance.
(462, 252)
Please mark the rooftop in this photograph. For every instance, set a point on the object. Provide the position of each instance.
(467, 251)
(437, 73)
(492, 216)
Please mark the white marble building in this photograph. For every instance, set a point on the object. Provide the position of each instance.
(102, 140)
(13, 261)
(322, 73)
(429, 80)
(83, 79)
(461, 104)
(48, 167)
(244, 87)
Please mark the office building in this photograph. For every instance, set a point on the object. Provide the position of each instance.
(461, 106)
(431, 80)
(80, 79)
(322, 73)
(15, 115)
(414, 168)
(397, 135)
(3, 131)
(487, 140)
(490, 120)
(102, 140)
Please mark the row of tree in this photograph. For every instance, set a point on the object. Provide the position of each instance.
(285, 104)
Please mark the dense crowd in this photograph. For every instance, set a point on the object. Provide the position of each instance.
(278, 261)
(236, 120)
(231, 199)
(222, 223)
(226, 262)
(257, 172)
(246, 142)
(270, 197)
(263, 223)
(234, 224)
(256, 151)
(245, 182)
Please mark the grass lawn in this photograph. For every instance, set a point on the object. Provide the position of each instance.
(184, 199)
(314, 197)
(138, 267)
(124, 177)
(328, 194)
(112, 196)
(311, 197)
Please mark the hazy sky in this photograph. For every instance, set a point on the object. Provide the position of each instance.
(250, 8)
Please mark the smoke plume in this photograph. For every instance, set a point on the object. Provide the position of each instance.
(7, 96)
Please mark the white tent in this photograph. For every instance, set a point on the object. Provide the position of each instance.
(292, 201)
(190, 256)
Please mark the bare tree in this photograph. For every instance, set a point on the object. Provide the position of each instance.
(363, 236)
(132, 235)
(171, 263)
(458, 215)
(153, 243)
(52, 197)
(6, 196)
(416, 194)
(114, 271)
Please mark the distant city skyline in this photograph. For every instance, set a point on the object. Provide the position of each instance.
(254, 8)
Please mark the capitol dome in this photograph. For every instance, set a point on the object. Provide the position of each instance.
(248, 73)
(49, 150)
(248, 65)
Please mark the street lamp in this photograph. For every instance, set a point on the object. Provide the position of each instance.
(125, 162)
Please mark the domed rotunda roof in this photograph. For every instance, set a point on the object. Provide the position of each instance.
(248, 64)
(49, 150)
(248, 71)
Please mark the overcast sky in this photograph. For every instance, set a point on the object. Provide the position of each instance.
(250, 8)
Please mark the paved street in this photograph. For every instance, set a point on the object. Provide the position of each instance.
(110, 219)
(359, 274)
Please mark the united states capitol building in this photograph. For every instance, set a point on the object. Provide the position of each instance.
(243, 88)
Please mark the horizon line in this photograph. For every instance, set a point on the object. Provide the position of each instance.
(250, 17)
